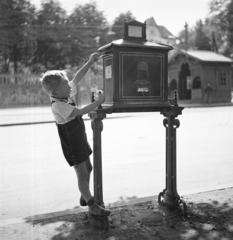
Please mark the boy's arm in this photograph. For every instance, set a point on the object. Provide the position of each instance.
(83, 70)
(81, 111)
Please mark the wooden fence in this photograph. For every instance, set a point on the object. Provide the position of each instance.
(21, 90)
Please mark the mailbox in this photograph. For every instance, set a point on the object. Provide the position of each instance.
(135, 72)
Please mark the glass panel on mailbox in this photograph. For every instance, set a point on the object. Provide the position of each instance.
(141, 75)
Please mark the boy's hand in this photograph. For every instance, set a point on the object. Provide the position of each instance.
(100, 97)
(93, 57)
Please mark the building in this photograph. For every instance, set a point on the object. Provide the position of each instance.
(158, 33)
(200, 76)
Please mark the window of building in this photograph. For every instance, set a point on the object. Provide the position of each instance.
(197, 83)
(222, 78)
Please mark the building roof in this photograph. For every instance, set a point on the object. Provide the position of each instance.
(208, 56)
(163, 32)
(202, 55)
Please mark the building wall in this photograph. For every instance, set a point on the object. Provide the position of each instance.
(217, 74)
(195, 71)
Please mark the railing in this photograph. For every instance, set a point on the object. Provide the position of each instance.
(19, 79)
(21, 90)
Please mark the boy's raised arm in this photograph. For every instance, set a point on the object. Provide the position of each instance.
(83, 70)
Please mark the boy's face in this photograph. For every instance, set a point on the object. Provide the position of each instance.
(64, 89)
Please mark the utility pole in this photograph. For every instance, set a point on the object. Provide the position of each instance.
(186, 36)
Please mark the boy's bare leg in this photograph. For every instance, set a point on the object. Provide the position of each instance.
(83, 171)
(83, 176)
(89, 168)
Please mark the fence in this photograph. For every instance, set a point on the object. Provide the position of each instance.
(21, 90)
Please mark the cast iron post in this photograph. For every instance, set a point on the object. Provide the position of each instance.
(97, 116)
(169, 197)
(97, 127)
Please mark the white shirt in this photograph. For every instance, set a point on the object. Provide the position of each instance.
(61, 109)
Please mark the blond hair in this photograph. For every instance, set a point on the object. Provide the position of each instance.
(51, 80)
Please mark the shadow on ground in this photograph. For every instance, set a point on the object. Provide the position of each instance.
(146, 220)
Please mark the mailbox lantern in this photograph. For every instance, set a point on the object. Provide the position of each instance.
(135, 72)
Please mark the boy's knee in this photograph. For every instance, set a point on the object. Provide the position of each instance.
(84, 166)
(89, 165)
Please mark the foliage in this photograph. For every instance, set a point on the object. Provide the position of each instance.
(16, 33)
(202, 42)
(52, 38)
(87, 31)
(220, 22)
(194, 38)
(186, 38)
(50, 34)
(215, 33)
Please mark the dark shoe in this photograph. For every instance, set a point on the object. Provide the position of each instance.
(82, 201)
(97, 210)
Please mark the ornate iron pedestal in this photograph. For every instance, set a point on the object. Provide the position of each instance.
(169, 197)
(100, 222)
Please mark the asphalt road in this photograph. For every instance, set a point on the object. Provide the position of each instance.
(35, 179)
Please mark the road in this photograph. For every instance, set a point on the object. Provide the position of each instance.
(35, 179)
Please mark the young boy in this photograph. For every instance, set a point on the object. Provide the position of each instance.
(71, 128)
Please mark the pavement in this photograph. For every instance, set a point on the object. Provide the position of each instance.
(209, 217)
(210, 214)
(42, 114)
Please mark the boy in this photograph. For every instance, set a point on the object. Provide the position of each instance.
(71, 128)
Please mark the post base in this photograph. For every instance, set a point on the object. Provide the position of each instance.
(172, 202)
(99, 222)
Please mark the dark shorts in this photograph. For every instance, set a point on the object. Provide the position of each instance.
(75, 146)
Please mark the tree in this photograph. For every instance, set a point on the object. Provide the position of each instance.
(16, 34)
(51, 35)
(186, 38)
(87, 15)
(88, 29)
(202, 42)
(220, 22)
(229, 27)
(195, 38)
(51, 13)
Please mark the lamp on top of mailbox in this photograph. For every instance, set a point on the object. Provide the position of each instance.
(135, 71)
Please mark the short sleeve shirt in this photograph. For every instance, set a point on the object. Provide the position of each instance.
(61, 111)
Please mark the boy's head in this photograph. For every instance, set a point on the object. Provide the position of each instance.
(55, 83)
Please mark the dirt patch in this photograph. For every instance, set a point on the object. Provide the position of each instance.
(210, 217)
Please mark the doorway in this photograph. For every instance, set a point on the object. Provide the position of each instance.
(184, 92)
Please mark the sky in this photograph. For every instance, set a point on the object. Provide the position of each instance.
(170, 13)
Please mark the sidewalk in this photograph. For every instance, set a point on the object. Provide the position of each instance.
(43, 114)
(25, 115)
(210, 216)
(188, 104)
